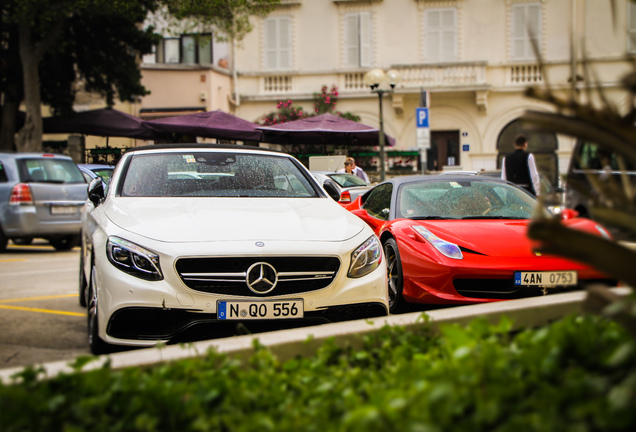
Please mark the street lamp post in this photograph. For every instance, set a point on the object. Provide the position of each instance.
(374, 79)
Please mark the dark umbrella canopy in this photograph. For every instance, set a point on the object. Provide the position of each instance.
(105, 122)
(210, 124)
(321, 130)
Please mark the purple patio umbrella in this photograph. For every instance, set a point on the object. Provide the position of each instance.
(104, 122)
(321, 130)
(209, 124)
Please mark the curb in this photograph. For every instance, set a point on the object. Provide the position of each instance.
(285, 344)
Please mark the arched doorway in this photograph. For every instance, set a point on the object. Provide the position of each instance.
(543, 145)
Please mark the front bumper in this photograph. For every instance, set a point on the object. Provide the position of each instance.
(143, 324)
(136, 312)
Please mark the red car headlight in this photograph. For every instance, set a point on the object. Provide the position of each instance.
(451, 250)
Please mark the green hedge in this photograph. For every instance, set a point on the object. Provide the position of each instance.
(578, 374)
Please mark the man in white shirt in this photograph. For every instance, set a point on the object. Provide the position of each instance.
(520, 168)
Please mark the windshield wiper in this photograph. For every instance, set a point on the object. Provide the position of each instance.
(430, 218)
(493, 217)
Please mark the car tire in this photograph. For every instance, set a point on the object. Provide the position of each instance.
(95, 343)
(3, 240)
(394, 275)
(23, 241)
(65, 243)
(83, 285)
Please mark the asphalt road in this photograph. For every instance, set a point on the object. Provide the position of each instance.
(40, 316)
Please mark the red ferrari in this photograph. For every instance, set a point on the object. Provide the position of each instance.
(458, 239)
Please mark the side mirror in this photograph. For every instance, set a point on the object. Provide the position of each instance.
(331, 188)
(96, 191)
(568, 213)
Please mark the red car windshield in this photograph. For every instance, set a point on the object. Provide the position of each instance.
(463, 200)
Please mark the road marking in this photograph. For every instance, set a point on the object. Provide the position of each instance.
(50, 311)
(42, 310)
(39, 298)
(13, 260)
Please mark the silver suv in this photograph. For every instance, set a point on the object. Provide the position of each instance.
(41, 195)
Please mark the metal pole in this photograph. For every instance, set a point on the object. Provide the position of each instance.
(382, 143)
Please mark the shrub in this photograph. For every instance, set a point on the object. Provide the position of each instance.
(575, 374)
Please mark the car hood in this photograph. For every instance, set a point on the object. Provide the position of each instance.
(506, 238)
(234, 219)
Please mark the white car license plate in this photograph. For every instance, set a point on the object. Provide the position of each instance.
(268, 309)
(546, 278)
(58, 210)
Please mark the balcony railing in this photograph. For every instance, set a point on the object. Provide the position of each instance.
(277, 84)
(460, 76)
(524, 74)
(442, 75)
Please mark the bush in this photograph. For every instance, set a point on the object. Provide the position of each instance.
(575, 374)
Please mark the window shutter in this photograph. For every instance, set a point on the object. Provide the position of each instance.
(441, 35)
(526, 26)
(366, 40)
(449, 35)
(284, 43)
(271, 57)
(351, 40)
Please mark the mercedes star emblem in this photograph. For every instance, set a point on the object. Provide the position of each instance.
(261, 278)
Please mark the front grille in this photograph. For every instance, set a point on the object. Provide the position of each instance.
(506, 288)
(227, 275)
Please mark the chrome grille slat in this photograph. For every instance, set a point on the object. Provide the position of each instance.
(228, 275)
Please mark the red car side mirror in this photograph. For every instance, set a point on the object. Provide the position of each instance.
(569, 214)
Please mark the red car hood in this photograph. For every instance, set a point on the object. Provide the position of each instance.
(506, 238)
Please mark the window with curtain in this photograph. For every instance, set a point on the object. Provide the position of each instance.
(440, 45)
(358, 39)
(188, 49)
(526, 30)
(278, 43)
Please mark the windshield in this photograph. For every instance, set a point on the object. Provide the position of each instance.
(464, 199)
(347, 180)
(49, 170)
(214, 174)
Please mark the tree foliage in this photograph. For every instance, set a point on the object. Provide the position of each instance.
(49, 49)
(589, 114)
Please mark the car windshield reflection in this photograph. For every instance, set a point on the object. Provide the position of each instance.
(463, 200)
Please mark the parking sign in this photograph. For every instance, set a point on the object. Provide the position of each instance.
(422, 117)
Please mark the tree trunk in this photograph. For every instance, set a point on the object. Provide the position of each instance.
(7, 127)
(30, 136)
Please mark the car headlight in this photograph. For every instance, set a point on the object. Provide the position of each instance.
(366, 258)
(446, 248)
(133, 259)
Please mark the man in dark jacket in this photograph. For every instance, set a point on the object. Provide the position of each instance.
(519, 167)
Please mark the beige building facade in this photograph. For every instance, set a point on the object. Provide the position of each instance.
(473, 59)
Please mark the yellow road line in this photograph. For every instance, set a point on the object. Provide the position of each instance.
(42, 310)
(39, 298)
(13, 260)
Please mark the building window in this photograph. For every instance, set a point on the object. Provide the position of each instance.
(526, 30)
(278, 43)
(358, 39)
(631, 27)
(187, 49)
(440, 30)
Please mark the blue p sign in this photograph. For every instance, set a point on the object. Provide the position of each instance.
(422, 117)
